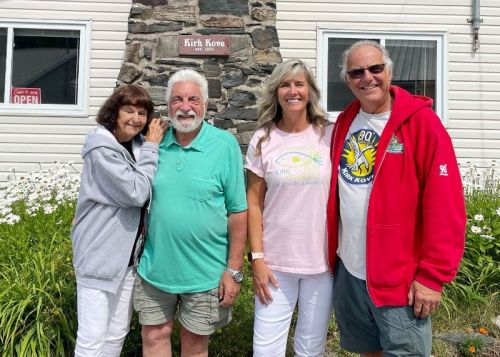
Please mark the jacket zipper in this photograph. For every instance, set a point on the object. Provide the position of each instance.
(327, 237)
(368, 210)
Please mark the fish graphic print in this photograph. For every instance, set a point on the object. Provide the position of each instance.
(298, 166)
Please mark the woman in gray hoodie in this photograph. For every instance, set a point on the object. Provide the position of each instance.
(118, 168)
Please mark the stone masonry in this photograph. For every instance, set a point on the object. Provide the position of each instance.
(234, 81)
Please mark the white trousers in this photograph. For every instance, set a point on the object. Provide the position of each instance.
(104, 319)
(314, 294)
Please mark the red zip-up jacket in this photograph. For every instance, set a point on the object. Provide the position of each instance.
(416, 210)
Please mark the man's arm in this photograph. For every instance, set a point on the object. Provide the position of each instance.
(443, 226)
(228, 288)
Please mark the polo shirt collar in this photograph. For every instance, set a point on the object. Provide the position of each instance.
(196, 144)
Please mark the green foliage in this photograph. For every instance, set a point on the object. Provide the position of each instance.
(479, 273)
(471, 346)
(38, 290)
(37, 286)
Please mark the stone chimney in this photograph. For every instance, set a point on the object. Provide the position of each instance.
(152, 54)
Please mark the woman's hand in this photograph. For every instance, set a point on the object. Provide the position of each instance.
(156, 130)
(262, 276)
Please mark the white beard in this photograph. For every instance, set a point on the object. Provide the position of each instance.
(186, 126)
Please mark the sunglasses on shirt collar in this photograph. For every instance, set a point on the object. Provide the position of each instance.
(359, 72)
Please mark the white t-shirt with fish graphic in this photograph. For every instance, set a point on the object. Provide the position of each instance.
(297, 171)
(356, 174)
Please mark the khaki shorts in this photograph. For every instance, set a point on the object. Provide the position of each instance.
(200, 313)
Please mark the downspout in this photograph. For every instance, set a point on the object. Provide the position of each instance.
(476, 23)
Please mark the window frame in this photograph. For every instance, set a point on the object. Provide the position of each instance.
(78, 109)
(324, 34)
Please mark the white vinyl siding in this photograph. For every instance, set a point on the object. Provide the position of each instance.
(29, 140)
(473, 88)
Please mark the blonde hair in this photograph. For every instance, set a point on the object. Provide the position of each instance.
(270, 112)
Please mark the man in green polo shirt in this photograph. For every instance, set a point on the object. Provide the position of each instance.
(197, 227)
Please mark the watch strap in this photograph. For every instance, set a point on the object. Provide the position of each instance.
(235, 274)
(255, 255)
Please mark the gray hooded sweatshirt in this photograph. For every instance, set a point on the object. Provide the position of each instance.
(113, 189)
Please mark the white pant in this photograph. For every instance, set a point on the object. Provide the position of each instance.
(272, 322)
(104, 319)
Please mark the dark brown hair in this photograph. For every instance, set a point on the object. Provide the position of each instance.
(127, 95)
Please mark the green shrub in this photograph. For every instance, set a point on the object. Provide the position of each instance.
(479, 273)
(37, 285)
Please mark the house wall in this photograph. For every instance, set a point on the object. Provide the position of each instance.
(473, 115)
(473, 78)
(27, 141)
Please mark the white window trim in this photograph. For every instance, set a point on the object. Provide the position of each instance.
(79, 109)
(441, 38)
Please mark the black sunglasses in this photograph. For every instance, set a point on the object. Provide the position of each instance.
(373, 69)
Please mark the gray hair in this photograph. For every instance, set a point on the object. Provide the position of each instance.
(345, 55)
(188, 75)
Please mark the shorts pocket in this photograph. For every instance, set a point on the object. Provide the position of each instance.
(217, 312)
(137, 293)
(213, 303)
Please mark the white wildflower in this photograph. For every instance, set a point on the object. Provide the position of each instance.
(12, 218)
(45, 189)
(476, 229)
(479, 217)
(498, 211)
(5, 210)
(485, 236)
(48, 209)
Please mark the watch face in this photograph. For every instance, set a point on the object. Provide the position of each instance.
(238, 277)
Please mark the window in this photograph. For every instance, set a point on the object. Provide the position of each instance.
(43, 67)
(418, 61)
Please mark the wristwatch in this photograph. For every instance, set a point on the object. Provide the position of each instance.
(254, 256)
(236, 274)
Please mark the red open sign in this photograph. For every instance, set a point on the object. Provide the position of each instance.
(26, 96)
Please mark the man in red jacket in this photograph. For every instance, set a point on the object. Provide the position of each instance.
(396, 213)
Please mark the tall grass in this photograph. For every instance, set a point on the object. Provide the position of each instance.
(37, 289)
(37, 285)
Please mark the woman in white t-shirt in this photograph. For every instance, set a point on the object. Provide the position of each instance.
(288, 169)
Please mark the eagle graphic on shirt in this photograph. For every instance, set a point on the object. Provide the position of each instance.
(358, 156)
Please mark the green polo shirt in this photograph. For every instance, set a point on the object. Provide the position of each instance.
(194, 190)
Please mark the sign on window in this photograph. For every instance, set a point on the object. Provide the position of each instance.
(26, 96)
